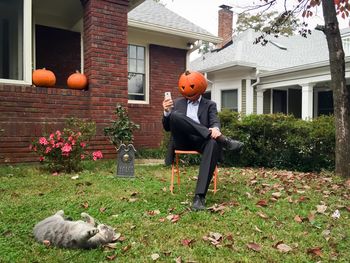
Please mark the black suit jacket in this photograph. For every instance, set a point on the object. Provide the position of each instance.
(207, 115)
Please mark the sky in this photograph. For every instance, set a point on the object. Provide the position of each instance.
(204, 13)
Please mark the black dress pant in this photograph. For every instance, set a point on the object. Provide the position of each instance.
(190, 135)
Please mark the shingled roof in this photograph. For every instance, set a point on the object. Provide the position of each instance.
(156, 15)
(279, 53)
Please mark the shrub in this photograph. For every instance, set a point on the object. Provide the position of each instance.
(281, 141)
(63, 151)
(121, 129)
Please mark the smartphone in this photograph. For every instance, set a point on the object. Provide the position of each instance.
(167, 95)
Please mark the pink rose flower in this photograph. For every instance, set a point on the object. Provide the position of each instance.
(83, 144)
(41, 158)
(43, 141)
(66, 148)
(97, 155)
(48, 149)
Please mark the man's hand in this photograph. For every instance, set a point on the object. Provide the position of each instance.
(167, 104)
(214, 133)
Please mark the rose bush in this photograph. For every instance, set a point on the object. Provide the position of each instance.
(63, 151)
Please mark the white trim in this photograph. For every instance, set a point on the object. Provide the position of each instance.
(27, 41)
(260, 102)
(173, 31)
(307, 101)
(249, 100)
(27, 47)
(147, 75)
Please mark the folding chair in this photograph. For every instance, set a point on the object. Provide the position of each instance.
(175, 165)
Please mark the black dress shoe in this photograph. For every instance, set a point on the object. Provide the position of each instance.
(229, 144)
(198, 203)
(233, 145)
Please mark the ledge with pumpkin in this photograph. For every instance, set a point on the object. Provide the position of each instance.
(46, 78)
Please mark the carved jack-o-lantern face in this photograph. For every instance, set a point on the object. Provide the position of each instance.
(192, 84)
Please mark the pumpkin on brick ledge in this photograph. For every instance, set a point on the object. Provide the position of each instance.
(43, 78)
(77, 81)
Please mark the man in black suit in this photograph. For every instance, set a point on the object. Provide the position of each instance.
(194, 125)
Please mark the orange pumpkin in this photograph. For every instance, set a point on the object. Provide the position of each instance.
(77, 81)
(43, 78)
(192, 84)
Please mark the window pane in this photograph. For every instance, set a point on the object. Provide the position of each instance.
(132, 65)
(136, 86)
(140, 66)
(229, 100)
(132, 51)
(11, 39)
(140, 52)
(136, 70)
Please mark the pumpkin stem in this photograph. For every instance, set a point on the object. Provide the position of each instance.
(187, 72)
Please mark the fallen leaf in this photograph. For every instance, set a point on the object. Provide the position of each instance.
(326, 233)
(336, 214)
(311, 217)
(75, 177)
(155, 256)
(178, 260)
(262, 203)
(126, 248)
(262, 215)
(283, 248)
(277, 194)
(111, 257)
(153, 212)
(321, 209)
(254, 246)
(85, 205)
(187, 242)
(316, 251)
(134, 193)
(298, 219)
(257, 229)
(102, 209)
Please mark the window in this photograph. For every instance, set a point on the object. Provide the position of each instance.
(229, 99)
(136, 73)
(15, 39)
(346, 45)
(279, 101)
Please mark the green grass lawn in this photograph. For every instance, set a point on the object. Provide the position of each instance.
(257, 215)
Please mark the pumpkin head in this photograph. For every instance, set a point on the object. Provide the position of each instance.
(77, 81)
(192, 84)
(43, 78)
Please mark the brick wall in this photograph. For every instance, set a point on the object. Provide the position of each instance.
(27, 112)
(166, 65)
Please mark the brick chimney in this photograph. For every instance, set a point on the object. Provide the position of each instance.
(225, 25)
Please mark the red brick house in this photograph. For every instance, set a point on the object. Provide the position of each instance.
(131, 51)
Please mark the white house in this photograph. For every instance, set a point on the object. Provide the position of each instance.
(289, 75)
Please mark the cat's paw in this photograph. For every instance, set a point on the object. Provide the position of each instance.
(60, 213)
(93, 232)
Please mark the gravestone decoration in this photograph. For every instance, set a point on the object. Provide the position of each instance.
(126, 160)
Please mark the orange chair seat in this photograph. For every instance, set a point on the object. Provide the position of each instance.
(177, 153)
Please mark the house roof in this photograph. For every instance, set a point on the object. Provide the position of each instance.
(279, 53)
(154, 16)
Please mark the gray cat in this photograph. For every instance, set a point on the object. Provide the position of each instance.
(57, 231)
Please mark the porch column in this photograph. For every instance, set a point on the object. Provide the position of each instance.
(307, 101)
(260, 101)
(105, 62)
(249, 97)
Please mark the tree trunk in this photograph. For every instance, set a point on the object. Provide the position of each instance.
(340, 91)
